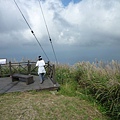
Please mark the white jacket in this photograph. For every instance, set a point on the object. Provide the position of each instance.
(41, 64)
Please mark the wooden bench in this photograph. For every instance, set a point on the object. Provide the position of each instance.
(28, 78)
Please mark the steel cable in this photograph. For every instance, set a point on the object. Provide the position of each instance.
(48, 31)
(31, 30)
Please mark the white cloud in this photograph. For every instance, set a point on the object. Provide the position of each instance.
(86, 24)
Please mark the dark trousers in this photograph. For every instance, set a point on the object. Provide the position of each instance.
(41, 76)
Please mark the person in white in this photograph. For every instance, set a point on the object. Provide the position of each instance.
(41, 70)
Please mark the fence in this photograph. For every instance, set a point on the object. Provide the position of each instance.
(26, 68)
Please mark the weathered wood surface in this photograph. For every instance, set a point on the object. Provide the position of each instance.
(6, 85)
(28, 78)
(26, 68)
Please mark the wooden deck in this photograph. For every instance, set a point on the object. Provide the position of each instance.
(6, 85)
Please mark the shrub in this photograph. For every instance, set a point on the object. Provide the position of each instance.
(101, 80)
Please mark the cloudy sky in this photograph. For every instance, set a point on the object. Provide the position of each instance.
(80, 30)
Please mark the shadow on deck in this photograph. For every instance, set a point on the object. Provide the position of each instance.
(6, 85)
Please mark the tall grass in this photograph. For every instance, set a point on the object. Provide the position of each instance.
(64, 76)
(99, 79)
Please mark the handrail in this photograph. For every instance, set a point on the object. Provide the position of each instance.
(28, 68)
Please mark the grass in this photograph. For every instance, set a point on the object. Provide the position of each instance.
(46, 106)
(98, 83)
(100, 80)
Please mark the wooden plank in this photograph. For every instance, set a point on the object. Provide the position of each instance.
(6, 85)
(17, 75)
(28, 78)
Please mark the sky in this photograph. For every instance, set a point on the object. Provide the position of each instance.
(80, 30)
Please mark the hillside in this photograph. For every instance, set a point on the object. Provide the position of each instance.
(46, 106)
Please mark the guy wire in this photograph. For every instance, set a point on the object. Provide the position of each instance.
(31, 30)
(48, 31)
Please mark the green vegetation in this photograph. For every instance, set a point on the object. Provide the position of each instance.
(89, 91)
(97, 80)
(46, 105)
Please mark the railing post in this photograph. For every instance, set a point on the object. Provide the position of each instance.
(29, 67)
(10, 68)
(48, 68)
(19, 67)
(0, 71)
(53, 76)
